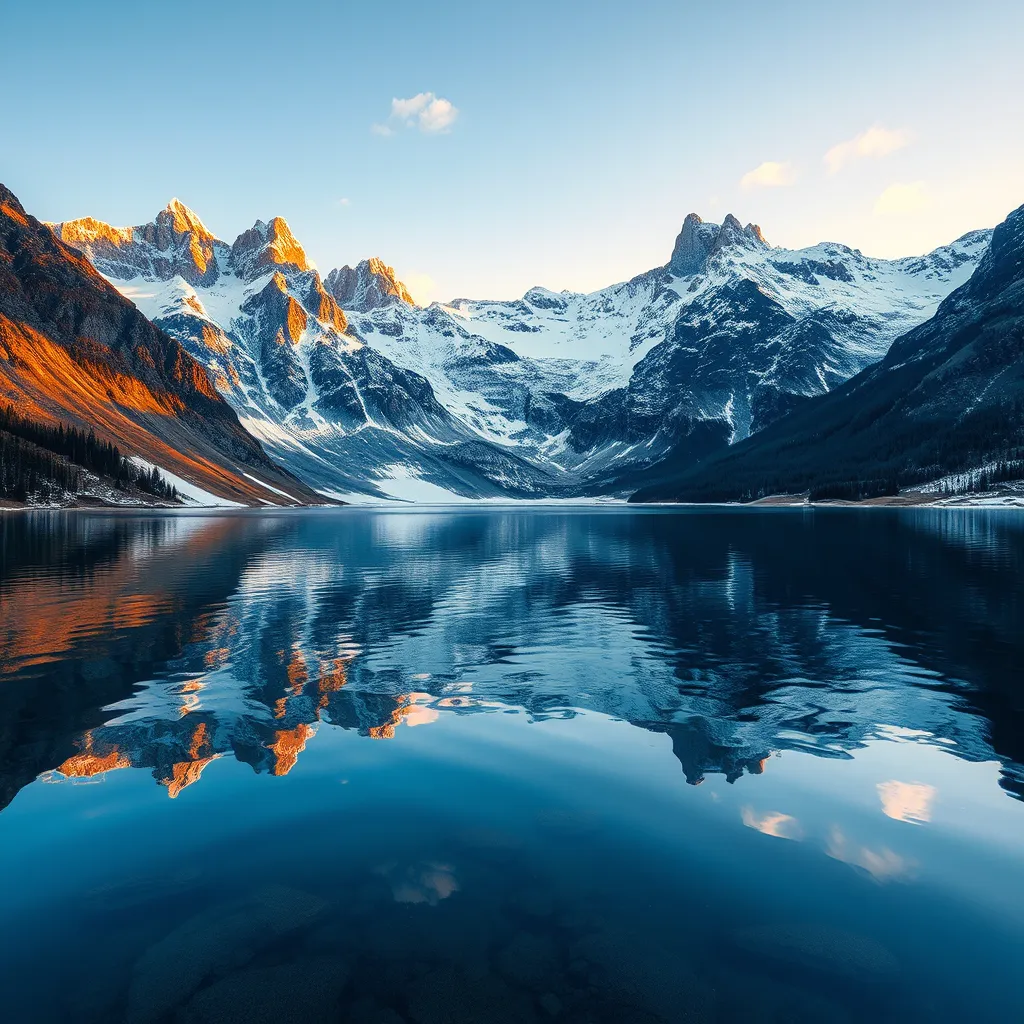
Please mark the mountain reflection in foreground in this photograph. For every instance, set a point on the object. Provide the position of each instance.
(846, 684)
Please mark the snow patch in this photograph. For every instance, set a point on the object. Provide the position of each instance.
(188, 491)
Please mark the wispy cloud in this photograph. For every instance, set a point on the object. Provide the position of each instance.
(869, 145)
(431, 114)
(770, 174)
(903, 198)
(882, 864)
(344, 201)
(774, 823)
(907, 801)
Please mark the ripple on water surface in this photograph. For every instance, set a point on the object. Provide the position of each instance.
(574, 765)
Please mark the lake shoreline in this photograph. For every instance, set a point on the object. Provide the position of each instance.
(773, 502)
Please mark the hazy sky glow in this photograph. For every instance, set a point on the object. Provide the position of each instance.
(485, 148)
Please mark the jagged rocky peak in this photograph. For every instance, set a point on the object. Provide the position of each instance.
(177, 219)
(282, 317)
(177, 228)
(88, 231)
(693, 246)
(265, 247)
(732, 232)
(175, 242)
(1000, 271)
(321, 303)
(369, 285)
(699, 240)
(10, 205)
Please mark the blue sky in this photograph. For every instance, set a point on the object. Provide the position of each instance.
(537, 143)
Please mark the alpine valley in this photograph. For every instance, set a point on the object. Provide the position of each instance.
(356, 391)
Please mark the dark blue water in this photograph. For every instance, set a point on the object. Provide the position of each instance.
(447, 767)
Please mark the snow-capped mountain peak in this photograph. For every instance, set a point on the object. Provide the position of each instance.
(266, 246)
(87, 231)
(368, 285)
(700, 240)
(175, 242)
(356, 389)
(182, 219)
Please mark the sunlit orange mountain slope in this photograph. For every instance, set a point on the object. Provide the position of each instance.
(74, 349)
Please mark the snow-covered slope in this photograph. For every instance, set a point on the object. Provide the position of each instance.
(359, 391)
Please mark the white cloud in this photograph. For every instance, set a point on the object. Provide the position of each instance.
(774, 823)
(344, 201)
(770, 174)
(431, 114)
(882, 864)
(903, 198)
(405, 110)
(907, 801)
(438, 116)
(871, 144)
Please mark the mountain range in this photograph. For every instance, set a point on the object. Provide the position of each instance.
(945, 406)
(74, 351)
(358, 391)
(735, 370)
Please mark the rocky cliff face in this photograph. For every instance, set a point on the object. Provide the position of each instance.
(356, 388)
(367, 286)
(947, 400)
(73, 349)
(697, 242)
(280, 348)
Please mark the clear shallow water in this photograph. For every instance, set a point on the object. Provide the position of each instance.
(486, 765)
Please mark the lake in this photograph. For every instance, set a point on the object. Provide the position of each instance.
(512, 765)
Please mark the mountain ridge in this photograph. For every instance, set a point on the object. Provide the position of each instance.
(947, 398)
(72, 349)
(354, 387)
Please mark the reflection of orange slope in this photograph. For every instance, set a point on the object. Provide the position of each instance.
(41, 625)
(333, 676)
(184, 774)
(287, 745)
(199, 740)
(89, 763)
(412, 710)
(298, 676)
(44, 623)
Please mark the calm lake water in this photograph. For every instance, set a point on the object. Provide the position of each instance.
(574, 765)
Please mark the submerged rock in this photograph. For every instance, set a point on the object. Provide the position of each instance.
(528, 959)
(215, 941)
(129, 896)
(634, 972)
(551, 1004)
(820, 948)
(368, 1011)
(451, 996)
(304, 992)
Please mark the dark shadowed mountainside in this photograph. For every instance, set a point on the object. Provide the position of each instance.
(947, 398)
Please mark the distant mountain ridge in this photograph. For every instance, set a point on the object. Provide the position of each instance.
(72, 349)
(359, 391)
(947, 398)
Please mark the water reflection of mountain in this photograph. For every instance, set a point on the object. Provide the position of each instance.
(166, 642)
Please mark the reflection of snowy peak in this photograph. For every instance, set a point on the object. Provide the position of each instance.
(352, 386)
